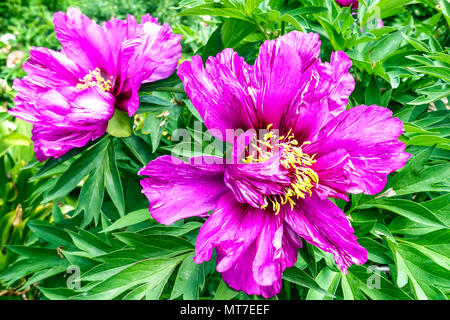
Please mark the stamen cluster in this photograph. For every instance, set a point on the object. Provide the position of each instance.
(94, 78)
(293, 160)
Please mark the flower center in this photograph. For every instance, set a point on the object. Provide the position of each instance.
(94, 78)
(293, 160)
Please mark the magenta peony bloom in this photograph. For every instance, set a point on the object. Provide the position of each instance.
(277, 193)
(70, 95)
(347, 3)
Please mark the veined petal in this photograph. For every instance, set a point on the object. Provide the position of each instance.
(84, 41)
(323, 224)
(231, 228)
(251, 182)
(51, 141)
(253, 246)
(307, 46)
(369, 134)
(177, 190)
(148, 55)
(240, 275)
(87, 109)
(63, 118)
(334, 170)
(50, 69)
(277, 82)
(341, 83)
(219, 92)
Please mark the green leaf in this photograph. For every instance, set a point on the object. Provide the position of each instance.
(129, 219)
(369, 279)
(50, 233)
(153, 273)
(89, 243)
(409, 209)
(113, 183)
(329, 281)
(224, 292)
(139, 149)
(214, 44)
(303, 279)
(234, 31)
(189, 280)
(209, 9)
(416, 177)
(423, 273)
(157, 245)
(12, 140)
(91, 196)
(78, 170)
(438, 72)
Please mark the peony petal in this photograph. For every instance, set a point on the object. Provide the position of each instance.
(251, 182)
(84, 41)
(177, 190)
(323, 224)
(63, 118)
(88, 109)
(369, 134)
(148, 55)
(341, 83)
(253, 246)
(277, 82)
(231, 228)
(326, 90)
(240, 276)
(334, 170)
(219, 92)
(307, 46)
(51, 141)
(51, 69)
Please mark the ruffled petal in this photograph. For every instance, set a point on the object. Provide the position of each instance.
(341, 84)
(327, 87)
(219, 92)
(323, 224)
(307, 46)
(240, 275)
(178, 190)
(277, 81)
(63, 119)
(84, 41)
(87, 109)
(369, 134)
(251, 182)
(253, 246)
(156, 53)
(231, 229)
(50, 69)
(334, 170)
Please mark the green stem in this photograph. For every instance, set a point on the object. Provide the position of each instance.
(283, 27)
(262, 30)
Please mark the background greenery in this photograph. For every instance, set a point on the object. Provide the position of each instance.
(84, 209)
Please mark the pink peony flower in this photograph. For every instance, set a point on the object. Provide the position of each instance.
(70, 95)
(277, 193)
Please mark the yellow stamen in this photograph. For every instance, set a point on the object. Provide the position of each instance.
(294, 160)
(94, 78)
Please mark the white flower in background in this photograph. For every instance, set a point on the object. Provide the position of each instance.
(4, 85)
(14, 58)
(7, 38)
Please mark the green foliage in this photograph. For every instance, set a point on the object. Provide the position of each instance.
(85, 209)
